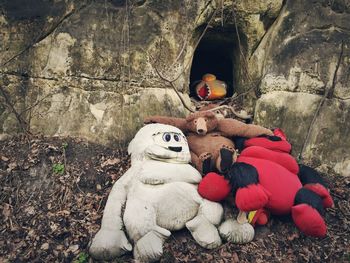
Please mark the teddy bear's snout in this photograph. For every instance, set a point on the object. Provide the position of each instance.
(201, 126)
(200, 131)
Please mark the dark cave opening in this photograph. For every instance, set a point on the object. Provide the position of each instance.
(217, 54)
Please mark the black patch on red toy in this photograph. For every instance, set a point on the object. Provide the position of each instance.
(241, 175)
(206, 165)
(239, 142)
(306, 196)
(226, 159)
(271, 138)
(308, 175)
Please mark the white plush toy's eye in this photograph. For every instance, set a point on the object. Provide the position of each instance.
(166, 137)
(177, 137)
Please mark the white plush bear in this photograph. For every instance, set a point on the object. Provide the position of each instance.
(159, 193)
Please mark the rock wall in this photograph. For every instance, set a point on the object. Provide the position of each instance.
(304, 64)
(89, 68)
(92, 68)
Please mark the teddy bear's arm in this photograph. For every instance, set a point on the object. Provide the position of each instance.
(177, 122)
(231, 127)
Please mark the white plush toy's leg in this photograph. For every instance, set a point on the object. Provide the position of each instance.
(235, 232)
(203, 226)
(149, 248)
(110, 241)
(140, 223)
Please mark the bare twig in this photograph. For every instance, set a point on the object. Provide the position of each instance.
(245, 64)
(194, 48)
(22, 123)
(230, 108)
(175, 89)
(328, 93)
(171, 81)
(35, 104)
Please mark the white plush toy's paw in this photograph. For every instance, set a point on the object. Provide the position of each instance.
(235, 232)
(109, 244)
(149, 248)
(204, 232)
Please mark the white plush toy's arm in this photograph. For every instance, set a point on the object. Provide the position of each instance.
(110, 241)
(155, 173)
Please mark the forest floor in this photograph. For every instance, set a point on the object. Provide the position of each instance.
(53, 192)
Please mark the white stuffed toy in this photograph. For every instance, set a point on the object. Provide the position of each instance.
(159, 193)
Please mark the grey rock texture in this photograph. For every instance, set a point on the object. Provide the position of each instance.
(304, 64)
(89, 68)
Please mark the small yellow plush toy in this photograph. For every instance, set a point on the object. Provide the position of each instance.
(210, 88)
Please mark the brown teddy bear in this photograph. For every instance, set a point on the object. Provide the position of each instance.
(209, 138)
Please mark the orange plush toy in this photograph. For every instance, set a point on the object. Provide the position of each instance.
(209, 138)
(211, 88)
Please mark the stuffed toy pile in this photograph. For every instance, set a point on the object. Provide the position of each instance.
(209, 138)
(159, 193)
(267, 179)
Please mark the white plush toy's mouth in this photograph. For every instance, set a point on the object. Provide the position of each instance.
(175, 149)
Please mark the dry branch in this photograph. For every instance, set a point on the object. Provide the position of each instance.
(328, 94)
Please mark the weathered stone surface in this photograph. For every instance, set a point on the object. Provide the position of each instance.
(88, 68)
(291, 111)
(98, 115)
(329, 144)
(305, 52)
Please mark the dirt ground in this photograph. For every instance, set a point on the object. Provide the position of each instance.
(53, 192)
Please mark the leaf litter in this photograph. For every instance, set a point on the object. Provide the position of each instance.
(51, 216)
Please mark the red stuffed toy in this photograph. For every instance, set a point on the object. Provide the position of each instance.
(267, 179)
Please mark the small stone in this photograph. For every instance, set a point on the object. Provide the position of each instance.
(4, 158)
(110, 162)
(73, 248)
(45, 246)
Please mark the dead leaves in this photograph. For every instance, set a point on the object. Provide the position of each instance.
(110, 162)
(6, 211)
(49, 217)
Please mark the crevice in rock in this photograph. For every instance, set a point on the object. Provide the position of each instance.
(26, 76)
(321, 29)
(95, 78)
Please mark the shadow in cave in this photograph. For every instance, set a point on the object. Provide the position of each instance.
(216, 54)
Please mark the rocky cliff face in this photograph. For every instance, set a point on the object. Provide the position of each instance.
(89, 68)
(96, 68)
(304, 65)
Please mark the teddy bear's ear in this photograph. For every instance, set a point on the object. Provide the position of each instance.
(208, 114)
(195, 115)
(191, 117)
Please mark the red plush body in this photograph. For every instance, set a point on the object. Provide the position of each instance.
(277, 187)
(278, 181)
